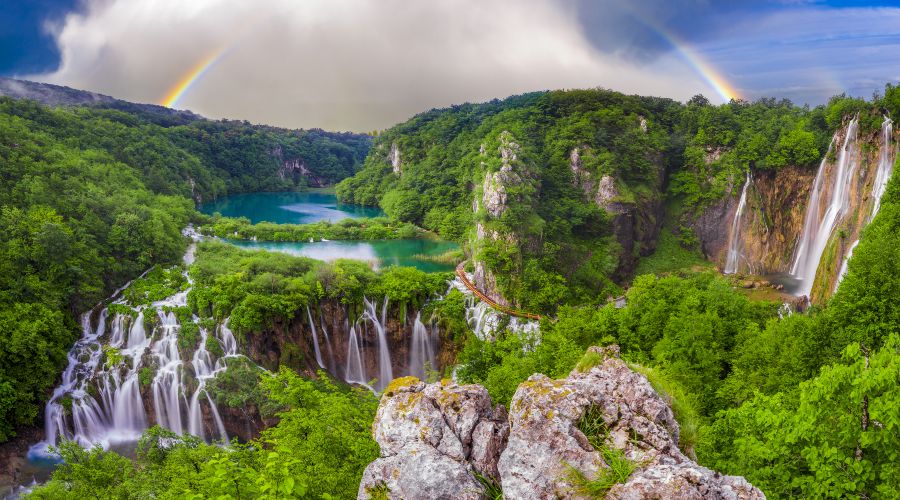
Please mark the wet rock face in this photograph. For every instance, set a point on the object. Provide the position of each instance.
(769, 225)
(435, 438)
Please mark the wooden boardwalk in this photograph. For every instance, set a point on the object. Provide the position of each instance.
(460, 271)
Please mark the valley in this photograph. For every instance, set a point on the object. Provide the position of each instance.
(218, 314)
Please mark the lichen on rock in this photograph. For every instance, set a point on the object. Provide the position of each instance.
(437, 439)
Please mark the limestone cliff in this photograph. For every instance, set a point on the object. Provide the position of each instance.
(437, 440)
(769, 224)
(500, 189)
(636, 220)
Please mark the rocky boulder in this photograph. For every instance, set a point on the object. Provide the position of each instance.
(443, 440)
(435, 440)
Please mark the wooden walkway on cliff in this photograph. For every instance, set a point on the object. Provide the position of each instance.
(460, 271)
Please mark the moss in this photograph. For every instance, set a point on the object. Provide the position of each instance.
(378, 492)
(400, 383)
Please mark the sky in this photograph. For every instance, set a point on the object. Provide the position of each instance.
(363, 65)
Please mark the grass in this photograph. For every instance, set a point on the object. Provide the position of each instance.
(588, 361)
(618, 470)
(671, 256)
(682, 405)
(452, 256)
(492, 490)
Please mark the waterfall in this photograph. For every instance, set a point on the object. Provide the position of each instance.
(315, 337)
(101, 402)
(817, 230)
(355, 372)
(886, 157)
(422, 351)
(732, 262)
(385, 372)
(331, 364)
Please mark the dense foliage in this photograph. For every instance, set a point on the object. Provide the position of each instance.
(560, 157)
(256, 288)
(377, 228)
(92, 197)
(802, 405)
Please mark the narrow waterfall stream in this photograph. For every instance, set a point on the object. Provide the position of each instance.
(818, 226)
(732, 262)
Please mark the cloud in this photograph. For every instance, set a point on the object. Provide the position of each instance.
(343, 64)
(810, 54)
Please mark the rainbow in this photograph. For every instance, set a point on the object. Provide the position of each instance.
(706, 71)
(188, 80)
(709, 74)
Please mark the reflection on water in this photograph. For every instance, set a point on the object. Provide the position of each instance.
(381, 253)
(791, 284)
(287, 208)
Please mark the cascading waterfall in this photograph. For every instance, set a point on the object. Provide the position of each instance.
(732, 261)
(385, 371)
(101, 403)
(886, 159)
(887, 155)
(423, 349)
(818, 228)
(355, 372)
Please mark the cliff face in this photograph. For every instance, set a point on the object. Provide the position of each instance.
(436, 440)
(291, 343)
(636, 221)
(771, 228)
(769, 225)
(500, 189)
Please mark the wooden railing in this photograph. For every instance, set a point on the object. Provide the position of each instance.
(460, 271)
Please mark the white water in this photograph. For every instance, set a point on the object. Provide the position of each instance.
(818, 227)
(106, 402)
(385, 371)
(732, 261)
(315, 336)
(886, 157)
(485, 321)
(423, 349)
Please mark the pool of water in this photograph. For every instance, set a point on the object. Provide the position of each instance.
(380, 253)
(309, 207)
(287, 208)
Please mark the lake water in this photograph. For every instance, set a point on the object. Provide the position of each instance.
(380, 253)
(305, 208)
(287, 208)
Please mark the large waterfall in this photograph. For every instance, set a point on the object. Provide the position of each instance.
(819, 224)
(732, 262)
(887, 154)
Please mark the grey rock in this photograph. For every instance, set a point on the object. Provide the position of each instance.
(434, 439)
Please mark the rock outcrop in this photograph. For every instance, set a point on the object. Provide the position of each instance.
(437, 440)
(635, 223)
(495, 199)
(394, 158)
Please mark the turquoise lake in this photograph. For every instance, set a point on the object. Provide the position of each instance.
(287, 208)
(305, 208)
